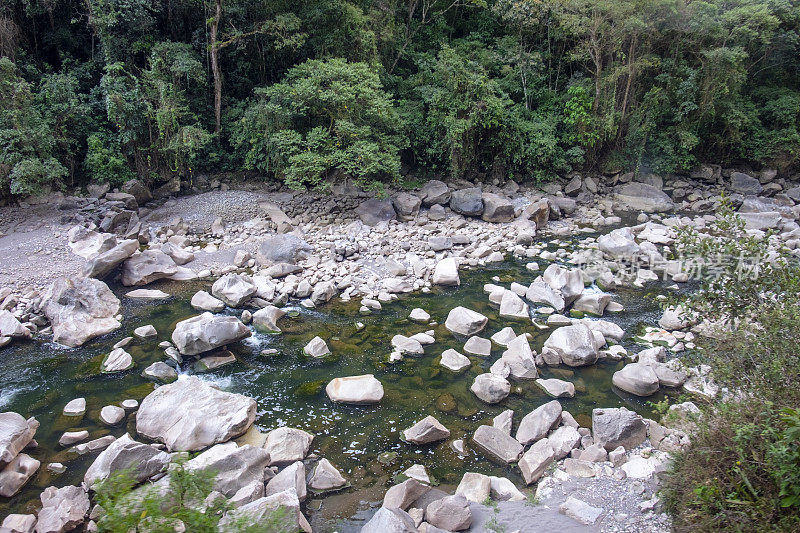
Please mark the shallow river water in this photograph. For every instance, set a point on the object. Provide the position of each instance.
(40, 378)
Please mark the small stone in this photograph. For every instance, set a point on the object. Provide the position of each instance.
(76, 407)
(316, 348)
(111, 415)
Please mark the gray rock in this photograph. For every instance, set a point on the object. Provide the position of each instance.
(568, 282)
(11, 327)
(202, 301)
(435, 192)
(286, 445)
(512, 306)
(618, 427)
(266, 319)
(141, 461)
(117, 361)
(557, 388)
(744, 184)
(446, 272)
(643, 197)
(356, 390)
(234, 289)
(316, 347)
(161, 372)
(406, 205)
(575, 345)
(402, 495)
(536, 424)
(62, 510)
(390, 520)
(373, 212)
(326, 477)
(452, 360)
(190, 415)
(497, 444)
(593, 303)
(146, 267)
(502, 489)
(111, 415)
(16, 474)
(580, 510)
(178, 254)
(263, 510)
(18, 523)
(104, 263)
(563, 440)
(478, 346)
(541, 293)
(497, 208)
(520, 360)
(426, 431)
(76, 407)
(465, 322)
(474, 487)
(138, 190)
(536, 460)
(503, 421)
(80, 309)
(145, 332)
(324, 292)
(490, 388)
(283, 248)
(293, 477)
(636, 378)
(207, 332)
(15, 434)
(619, 243)
(450, 513)
(467, 202)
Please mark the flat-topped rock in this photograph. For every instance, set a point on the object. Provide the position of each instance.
(497, 444)
(357, 390)
(452, 360)
(111, 415)
(202, 301)
(286, 445)
(557, 388)
(465, 322)
(478, 346)
(190, 415)
(76, 407)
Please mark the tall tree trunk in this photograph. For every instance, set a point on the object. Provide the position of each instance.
(215, 66)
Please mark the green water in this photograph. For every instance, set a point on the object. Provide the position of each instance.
(39, 379)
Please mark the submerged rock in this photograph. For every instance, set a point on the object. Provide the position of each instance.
(190, 415)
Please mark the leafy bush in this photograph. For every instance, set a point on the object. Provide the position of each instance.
(184, 500)
(104, 160)
(325, 118)
(742, 468)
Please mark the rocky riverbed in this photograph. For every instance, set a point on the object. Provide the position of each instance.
(453, 357)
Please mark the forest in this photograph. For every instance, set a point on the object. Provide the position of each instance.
(385, 92)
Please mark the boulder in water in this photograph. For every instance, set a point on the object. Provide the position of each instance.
(207, 332)
(80, 309)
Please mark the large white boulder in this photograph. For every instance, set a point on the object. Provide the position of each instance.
(576, 345)
(80, 309)
(234, 289)
(140, 461)
(190, 415)
(358, 390)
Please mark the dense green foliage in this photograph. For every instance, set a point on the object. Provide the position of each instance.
(181, 504)
(316, 90)
(742, 469)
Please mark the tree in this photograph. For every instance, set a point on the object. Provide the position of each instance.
(27, 148)
(325, 119)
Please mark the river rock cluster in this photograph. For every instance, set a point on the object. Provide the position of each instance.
(311, 249)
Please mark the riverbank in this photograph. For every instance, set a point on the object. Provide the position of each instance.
(319, 259)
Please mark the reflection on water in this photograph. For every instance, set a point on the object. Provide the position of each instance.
(39, 378)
